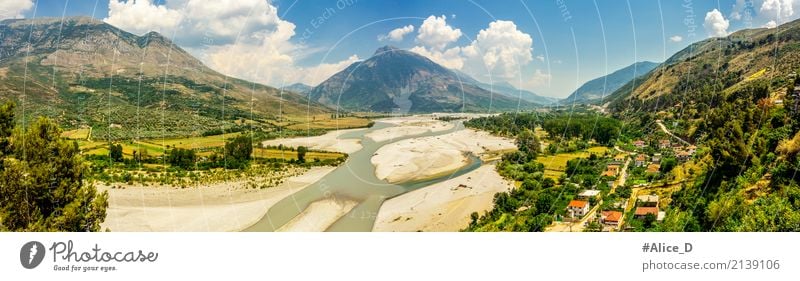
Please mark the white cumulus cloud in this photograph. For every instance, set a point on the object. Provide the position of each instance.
(435, 33)
(540, 78)
(502, 48)
(676, 38)
(13, 9)
(779, 11)
(142, 16)
(450, 58)
(242, 38)
(715, 24)
(770, 24)
(397, 34)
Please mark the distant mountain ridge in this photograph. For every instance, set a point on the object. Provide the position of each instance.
(85, 72)
(403, 81)
(721, 63)
(508, 90)
(601, 88)
(299, 88)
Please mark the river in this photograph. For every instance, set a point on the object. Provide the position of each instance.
(354, 180)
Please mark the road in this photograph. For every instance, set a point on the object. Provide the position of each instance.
(579, 225)
(664, 128)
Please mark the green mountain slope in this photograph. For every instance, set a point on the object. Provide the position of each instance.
(713, 64)
(84, 72)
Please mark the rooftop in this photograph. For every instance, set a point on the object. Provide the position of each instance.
(613, 216)
(647, 198)
(643, 211)
(653, 168)
(589, 193)
(577, 204)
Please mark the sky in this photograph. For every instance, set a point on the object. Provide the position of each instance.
(548, 47)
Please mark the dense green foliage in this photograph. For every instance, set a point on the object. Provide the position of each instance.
(115, 152)
(301, 154)
(238, 152)
(41, 180)
(560, 126)
(539, 200)
(751, 182)
(183, 158)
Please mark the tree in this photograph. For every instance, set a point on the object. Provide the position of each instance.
(183, 158)
(301, 154)
(528, 143)
(649, 219)
(6, 126)
(41, 182)
(668, 163)
(115, 152)
(141, 155)
(238, 152)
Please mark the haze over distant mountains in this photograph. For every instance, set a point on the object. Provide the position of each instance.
(506, 89)
(403, 81)
(299, 88)
(600, 88)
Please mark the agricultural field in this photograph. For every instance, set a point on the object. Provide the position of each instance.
(77, 134)
(555, 165)
(325, 122)
(157, 147)
(292, 155)
(203, 145)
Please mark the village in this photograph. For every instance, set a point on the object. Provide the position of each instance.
(634, 187)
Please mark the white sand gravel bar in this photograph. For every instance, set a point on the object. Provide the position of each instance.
(328, 142)
(319, 215)
(225, 206)
(425, 157)
(445, 206)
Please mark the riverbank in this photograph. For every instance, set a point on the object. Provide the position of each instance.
(445, 206)
(425, 157)
(228, 206)
(407, 126)
(319, 215)
(328, 142)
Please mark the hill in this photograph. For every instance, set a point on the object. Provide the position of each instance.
(299, 88)
(399, 80)
(508, 90)
(84, 72)
(600, 88)
(714, 64)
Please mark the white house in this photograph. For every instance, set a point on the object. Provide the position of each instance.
(577, 208)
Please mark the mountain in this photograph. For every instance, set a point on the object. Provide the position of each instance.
(600, 88)
(713, 65)
(399, 80)
(299, 88)
(506, 89)
(84, 72)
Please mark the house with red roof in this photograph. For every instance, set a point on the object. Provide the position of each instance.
(642, 212)
(577, 208)
(611, 217)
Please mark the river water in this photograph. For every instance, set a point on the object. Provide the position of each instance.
(354, 180)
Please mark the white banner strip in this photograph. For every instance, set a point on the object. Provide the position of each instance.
(399, 256)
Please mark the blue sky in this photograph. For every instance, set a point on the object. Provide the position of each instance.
(552, 47)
